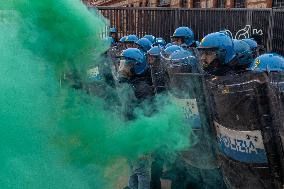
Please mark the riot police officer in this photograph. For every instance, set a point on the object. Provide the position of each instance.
(151, 38)
(134, 71)
(158, 69)
(243, 54)
(165, 53)
(113, 35)
(158, 75)
(273, 65)
(130, 41)
(253, 46)
(183, 36)
(121, 45)
(160, 42)
(217, 54)
(143, 44)
(269, 62)
(196, 167)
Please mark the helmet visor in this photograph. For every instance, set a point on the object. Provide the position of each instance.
(177, 40)
(125, 68)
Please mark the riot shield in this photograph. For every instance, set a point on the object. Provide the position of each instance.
(158, 74)
(95, 82)
(277, 87)
(186, 88)
(242, 114)
(100, 82)
(113, 53)
(114, 62)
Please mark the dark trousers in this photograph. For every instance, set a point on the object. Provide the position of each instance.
(189, 177)
(156, 172)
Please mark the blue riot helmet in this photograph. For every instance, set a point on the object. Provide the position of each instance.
(168, 51)
(132, 62)
(113, 30)
(157, 69)
(153, 55)
(270, 62)
(182, 61)
(217, 45)
(160, 42)
(251, 42)
(183, 35)
(130, 41)
(151, 38)
(113, 34)
(253, 46)
(243, 52)
(180, 55)
(155, 51)
(167, 45)
(122, 40)
(121, 43)
(131, 38)
(144, 44)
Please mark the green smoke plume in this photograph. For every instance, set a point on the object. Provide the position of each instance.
(53, 136)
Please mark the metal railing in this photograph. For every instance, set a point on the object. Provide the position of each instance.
(161, 22)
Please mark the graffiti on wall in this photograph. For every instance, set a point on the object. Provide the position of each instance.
(245, 32)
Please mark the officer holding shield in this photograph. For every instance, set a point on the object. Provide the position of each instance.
(217, 54)
(134, 71)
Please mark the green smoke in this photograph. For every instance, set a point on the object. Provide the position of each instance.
(53, 136)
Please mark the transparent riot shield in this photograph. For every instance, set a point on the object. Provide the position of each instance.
(186, 87)
(95, 82)
(158, 73)
(114, 61)
(244, 127)
(113, 53)
(100, 81)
